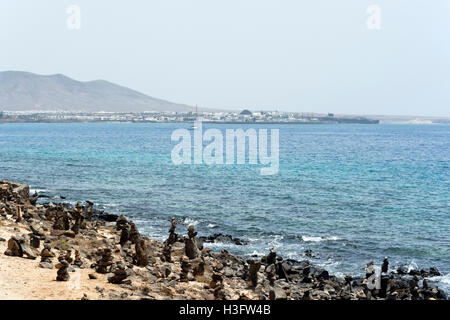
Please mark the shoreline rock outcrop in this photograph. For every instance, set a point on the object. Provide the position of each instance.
(181, 267)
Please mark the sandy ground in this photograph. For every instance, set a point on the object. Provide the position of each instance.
(23, 279)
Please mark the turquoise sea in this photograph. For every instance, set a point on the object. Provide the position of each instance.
(350, 193)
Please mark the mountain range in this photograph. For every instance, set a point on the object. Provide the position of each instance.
(25, 91)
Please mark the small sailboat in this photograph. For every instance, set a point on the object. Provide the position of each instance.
(193, 127)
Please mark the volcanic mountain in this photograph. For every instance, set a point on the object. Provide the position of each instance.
(25, 91)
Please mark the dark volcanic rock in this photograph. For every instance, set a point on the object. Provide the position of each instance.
(402, 270)
(414, 272)
(253, 273)
(14, 248)
(226, 238)
(277, 294)
(434, 272)
(190, 244)
(103, 216)
(46, 265)
(141, 254)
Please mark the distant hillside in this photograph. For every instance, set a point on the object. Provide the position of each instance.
(24, 91)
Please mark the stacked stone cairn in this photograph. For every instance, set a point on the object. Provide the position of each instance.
(63, 266)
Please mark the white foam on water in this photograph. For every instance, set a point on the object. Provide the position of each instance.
(256, 253)
(275, 241)
(412, 266)
(318, 239)
(189, 221)
(219, 245)
(112, 205)
(311, 239)
(443, 282)
(441, 279)
(212, 225)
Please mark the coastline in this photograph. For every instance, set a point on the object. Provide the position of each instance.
(115, 262)
(190, 122)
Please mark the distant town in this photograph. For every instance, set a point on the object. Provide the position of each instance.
(245, 116)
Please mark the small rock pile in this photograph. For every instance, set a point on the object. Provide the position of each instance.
(119, 274)
(46, 257)
(104, 264)
(63, 266)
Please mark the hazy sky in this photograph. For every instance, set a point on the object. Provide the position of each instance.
(293, 55)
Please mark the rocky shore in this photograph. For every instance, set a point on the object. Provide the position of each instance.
(62, 251)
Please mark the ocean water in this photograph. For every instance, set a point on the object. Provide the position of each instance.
(350, 193)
